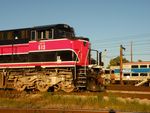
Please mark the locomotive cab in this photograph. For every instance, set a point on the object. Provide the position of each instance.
(95, 80)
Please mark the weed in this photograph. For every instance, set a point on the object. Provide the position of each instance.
(50, 100)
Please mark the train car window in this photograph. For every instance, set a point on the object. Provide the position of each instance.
(126, 74)
(135, 74)
(107, 72)
(33, 35)
(134, 66)
(143, 66)
(143, 74)
(149, 66)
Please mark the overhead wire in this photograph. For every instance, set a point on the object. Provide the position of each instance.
(136, 45)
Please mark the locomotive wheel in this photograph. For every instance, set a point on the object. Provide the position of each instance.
(19, 86)
(42, 86)
(68, 88)
(57, 88)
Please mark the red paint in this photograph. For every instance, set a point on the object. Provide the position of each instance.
(80, 47)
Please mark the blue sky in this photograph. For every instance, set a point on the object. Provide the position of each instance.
(107, 23)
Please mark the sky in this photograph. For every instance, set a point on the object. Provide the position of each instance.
(107, 23)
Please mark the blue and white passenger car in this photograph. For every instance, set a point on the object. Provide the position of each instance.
(138, 72)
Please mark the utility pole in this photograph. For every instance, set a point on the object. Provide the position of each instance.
(131, 53)
(121, 63)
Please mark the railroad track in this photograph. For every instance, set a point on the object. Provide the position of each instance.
(12, 93)
(12, 110)
(128, 88)
(120, 91)
(129, 91)
(9, 93)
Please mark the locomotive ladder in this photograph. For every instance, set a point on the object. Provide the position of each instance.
(81, 82)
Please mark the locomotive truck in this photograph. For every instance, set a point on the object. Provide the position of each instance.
(47, 57)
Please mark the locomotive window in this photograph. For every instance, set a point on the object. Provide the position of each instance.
(1, 35)
(47, 34)
(42, 56)
(39, 35)
(42, 34)
(17, 34)
(52, 56)
(33, 35)
(10, 35)
(5, 36)
(24, 34)
(63, 33)
(66, 55)
(13, 58)
(50, 34)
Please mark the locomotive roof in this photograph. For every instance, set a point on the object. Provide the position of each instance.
(40, 27)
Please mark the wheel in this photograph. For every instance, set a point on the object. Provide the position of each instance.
(19, 85)
(68, 88)
(56, 88)
(42, 86)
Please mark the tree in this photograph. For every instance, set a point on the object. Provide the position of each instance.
(139, 60)
(116, 61)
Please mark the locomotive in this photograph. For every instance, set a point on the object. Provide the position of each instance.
(48, 57)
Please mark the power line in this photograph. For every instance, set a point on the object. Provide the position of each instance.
(140, 42)
(147, 35)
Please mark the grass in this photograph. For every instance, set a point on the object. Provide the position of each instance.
(50, 100)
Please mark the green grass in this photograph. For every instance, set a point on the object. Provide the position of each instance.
(50, 100)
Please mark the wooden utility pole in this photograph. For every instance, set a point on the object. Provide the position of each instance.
(121, 63)
(131, 53)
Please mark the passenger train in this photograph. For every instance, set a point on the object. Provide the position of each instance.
(137, 73)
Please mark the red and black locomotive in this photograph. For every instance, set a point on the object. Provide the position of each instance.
(47, 57)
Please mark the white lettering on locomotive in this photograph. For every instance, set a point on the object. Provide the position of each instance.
(41, 46)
